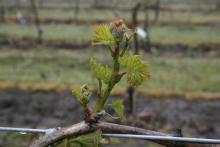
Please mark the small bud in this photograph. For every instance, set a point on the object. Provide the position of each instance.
(83, 95)
(84, 88)
(117, 22)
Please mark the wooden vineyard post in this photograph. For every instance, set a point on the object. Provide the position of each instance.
(96, 3)
(41, 3)
(76, 9)
(2, 11)
(157, 11)
(37, 22)
(131, 90)
(134, 25)
(74, 5)
(147, 44)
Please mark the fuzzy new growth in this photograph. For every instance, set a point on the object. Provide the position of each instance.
(115, 37)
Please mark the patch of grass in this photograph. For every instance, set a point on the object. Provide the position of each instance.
(71, 67)
(16, 139)
(51, 32)
(102, 14)
(3, 36)
(185, 74)
(190, 35)
(189, 16)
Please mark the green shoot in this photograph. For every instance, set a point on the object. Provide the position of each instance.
(116, 37)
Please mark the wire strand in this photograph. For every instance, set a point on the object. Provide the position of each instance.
(27, 130)
(165, 138)
(130, 136)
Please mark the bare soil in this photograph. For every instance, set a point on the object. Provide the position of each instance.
(53, 109)
(47, 109)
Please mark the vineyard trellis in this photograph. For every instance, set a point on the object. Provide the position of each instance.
(128, 136)
(115, 36)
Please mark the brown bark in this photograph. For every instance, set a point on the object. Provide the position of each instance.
(83, 128)
(75, 130)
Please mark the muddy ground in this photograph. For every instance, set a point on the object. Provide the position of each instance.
(39, 109)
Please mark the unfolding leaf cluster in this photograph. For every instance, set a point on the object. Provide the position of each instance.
(137, 71)
(101, 72)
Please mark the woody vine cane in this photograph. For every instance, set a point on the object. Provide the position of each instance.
(88, 133)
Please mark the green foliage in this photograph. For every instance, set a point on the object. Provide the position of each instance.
(88, 140)
(101, 72)
(137, 71)
(103, 35)
(82, 95)
(63, 143)
(116, 36)
(118, 107)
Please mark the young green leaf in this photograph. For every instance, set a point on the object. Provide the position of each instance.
(103, 35)
(118, 107)
(88, 140)
(82, 95)
(101, 72)
(137, 71)
(63, 143)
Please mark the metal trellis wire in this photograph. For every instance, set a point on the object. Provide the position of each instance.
(27, 130)
(130, 136)
(165, 138)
